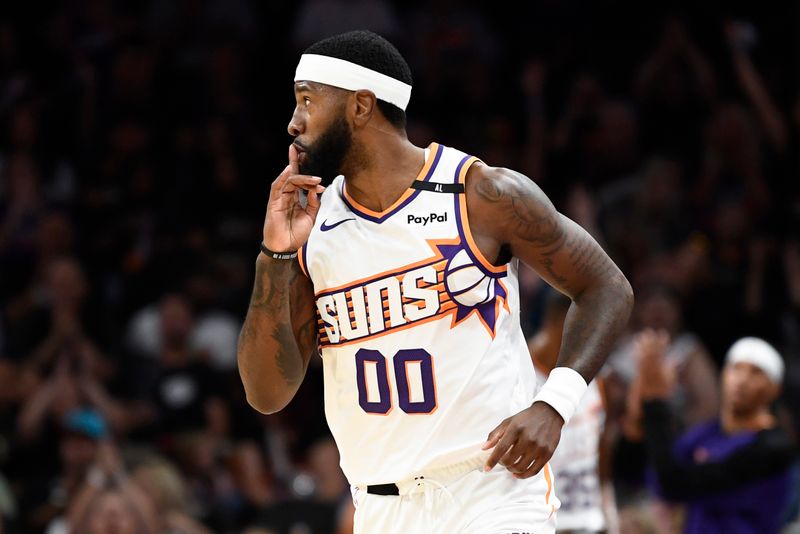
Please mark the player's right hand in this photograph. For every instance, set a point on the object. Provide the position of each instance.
(288, 223)
(524, 442)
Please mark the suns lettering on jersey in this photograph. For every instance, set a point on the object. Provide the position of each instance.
(447, 283)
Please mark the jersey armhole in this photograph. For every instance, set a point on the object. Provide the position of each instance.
(462, 220)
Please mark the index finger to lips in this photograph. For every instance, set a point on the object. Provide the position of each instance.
(300, 181)
(293, 159)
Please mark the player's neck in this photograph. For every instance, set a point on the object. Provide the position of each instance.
(386, 167)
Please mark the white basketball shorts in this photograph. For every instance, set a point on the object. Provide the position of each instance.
(461, 499)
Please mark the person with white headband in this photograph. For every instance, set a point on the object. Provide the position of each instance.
(734, 472)
(398, 264)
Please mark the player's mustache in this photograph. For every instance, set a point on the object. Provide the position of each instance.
(300, 146)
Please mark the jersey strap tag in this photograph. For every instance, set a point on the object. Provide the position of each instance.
(438, 188)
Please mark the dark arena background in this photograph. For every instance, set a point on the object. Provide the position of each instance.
(138, 140)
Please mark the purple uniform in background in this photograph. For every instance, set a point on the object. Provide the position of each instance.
(731, 484)
(758, 506)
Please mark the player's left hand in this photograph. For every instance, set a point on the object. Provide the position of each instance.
(525, 442)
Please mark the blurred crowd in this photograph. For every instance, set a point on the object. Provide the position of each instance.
(138, 140)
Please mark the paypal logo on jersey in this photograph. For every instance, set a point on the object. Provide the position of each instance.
(425, 219)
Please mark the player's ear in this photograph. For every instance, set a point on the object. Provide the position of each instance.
(365, 103)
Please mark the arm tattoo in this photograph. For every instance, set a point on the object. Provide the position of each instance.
(533, 219)
(289, 364)
(547, 263)
(274, 285)
(268, 332)
(529, 222)
(571, 260)
(588, 258)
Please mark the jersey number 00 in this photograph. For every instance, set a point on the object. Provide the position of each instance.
(404, 362)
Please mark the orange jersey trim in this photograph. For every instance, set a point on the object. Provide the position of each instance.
(433, 147)
(301, 252)
(549, 479)
(462, 206)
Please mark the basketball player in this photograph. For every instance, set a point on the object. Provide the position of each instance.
(586, 503)
(400, 267)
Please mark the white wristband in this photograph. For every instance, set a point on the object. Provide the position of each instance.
(563, 391)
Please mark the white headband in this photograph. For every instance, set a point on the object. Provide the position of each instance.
(346, 75)
(757, 352)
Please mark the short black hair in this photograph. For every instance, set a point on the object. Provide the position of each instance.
(372, 51)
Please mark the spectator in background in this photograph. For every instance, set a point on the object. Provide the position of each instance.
(644, 217)
(50, 493)
(21, 209)
(742, 37)
(54, 342)
(320, 502)
(694, 399)
(70, 385)
(203, 461)
(586, 494)
(213, 331)
(58, 320)
(696, 395)
(182, 389)
(26, 310)
(674, 88)
(732, 163)
(163, 483)
(732, 472)
(109, 502)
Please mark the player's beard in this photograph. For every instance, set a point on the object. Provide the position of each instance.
(326, 156)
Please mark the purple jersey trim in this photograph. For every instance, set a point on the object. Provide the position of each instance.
(457, 199)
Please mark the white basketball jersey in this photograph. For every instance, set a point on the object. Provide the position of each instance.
(420, 336)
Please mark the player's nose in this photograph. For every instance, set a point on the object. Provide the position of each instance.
(295, 127)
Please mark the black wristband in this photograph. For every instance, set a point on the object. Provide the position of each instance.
(278, 255)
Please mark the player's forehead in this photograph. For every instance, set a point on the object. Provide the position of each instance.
(306, 86)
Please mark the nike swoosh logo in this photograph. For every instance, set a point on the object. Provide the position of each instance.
(325, 227)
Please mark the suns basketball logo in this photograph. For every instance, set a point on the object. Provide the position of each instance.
(466, 283)
(451, 282)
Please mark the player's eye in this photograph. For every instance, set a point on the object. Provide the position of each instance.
(306, 100)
